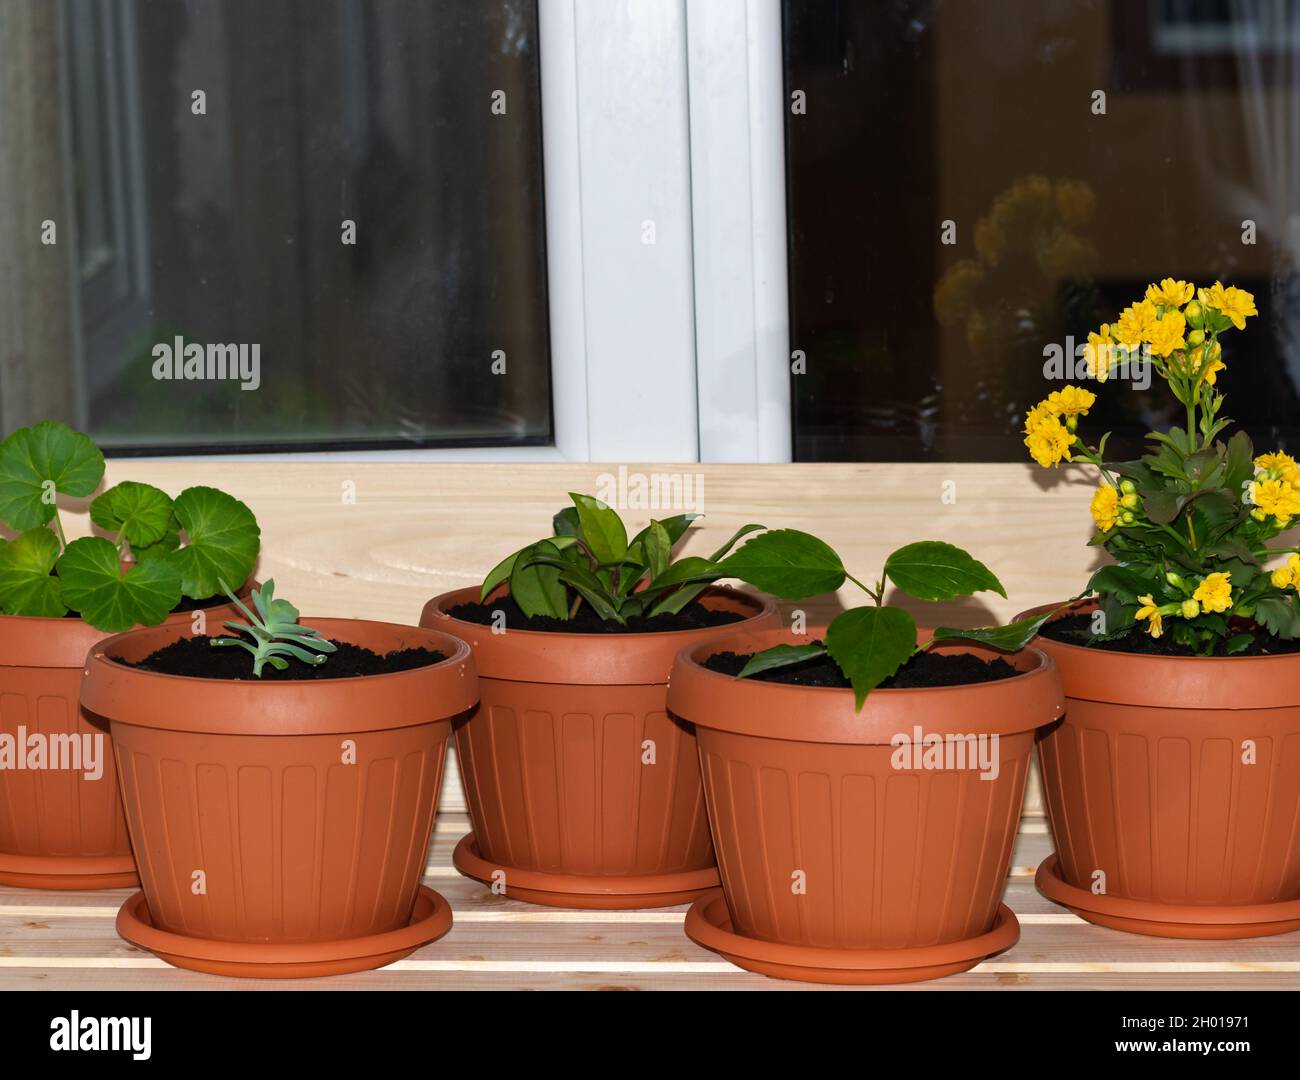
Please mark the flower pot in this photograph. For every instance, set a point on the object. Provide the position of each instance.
(61, 828)
(836, 865)
(281, 827)
(1153, 803)
(582, 791)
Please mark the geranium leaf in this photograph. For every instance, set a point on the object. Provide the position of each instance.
(38, 462)
(110, 598)
(222, 541)
(140, 512)
(26, 585)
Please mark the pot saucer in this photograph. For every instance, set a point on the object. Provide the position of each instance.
(595, 891)
(1199, 921)
(68, 871)
(708, 923)
(430, 919)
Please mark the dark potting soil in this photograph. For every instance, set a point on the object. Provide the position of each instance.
(693, 617)
(194, 657)
(1077, 630)
(924, 669)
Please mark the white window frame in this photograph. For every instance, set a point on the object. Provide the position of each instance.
(664, 173)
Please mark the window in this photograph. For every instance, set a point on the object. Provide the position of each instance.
(331, 212)
(1063, 205)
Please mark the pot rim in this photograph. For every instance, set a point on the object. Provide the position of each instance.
(711, 699)
(57, 641)
(1189, 683)
(562, 657)
(421, 695)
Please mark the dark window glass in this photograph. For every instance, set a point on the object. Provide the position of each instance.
(983, 114)
(222, 221)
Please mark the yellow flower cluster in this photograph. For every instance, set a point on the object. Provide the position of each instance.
(1170, 322)
(1049, 440)
(1213, 593)
(1275, 491)
(1112, 506)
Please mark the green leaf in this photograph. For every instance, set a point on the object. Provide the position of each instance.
(602, 529)
(1012, 637)
(870, 644)
(787, 563)
(779, 656)
(1279, 617)
(94, 584)
(675, 526)
(565, 522)
(1126, 582)
(590, 588)
(140, 512)
(26, 585)
(535, 585)
(1238, 642)
(38, 462)
(161, 549)
(658, 547)
(499, 573)
(933, 570)
(1163, 506)
(222, 541)
(1240, 463)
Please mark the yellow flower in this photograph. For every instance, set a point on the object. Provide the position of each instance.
(1099, 353)
(1235, 303)
(1136, 322)
(1275, 462)
(1105, 507)
(1288, 574)
(1276, 498)
(1049, 443)
(1148, 610)
(1215, 592)
(1170, 293)
(1037, 416)
(1167, 333)
(1071, 401)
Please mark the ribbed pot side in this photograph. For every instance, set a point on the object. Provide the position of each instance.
(61, 828)
(572, 765)
(1176, 780)
(282, 812)
(821, 840)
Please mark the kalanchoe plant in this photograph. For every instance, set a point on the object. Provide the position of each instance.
(1189, 523)
(868, 643)
(591, 560)
(41, 573)
(275, 633)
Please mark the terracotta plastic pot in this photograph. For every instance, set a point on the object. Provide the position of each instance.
(1162, 824)
(281, 828)
(582, 791)
(843, 858)
(61, 828)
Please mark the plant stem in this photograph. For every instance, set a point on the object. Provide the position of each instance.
(58, 530)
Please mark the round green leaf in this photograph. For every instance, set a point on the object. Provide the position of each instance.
(870, 644)
(788, 564)
(933, 570)
(111, 600)
(222, 541)
(26, 585)
(140, 512)
(38, 462)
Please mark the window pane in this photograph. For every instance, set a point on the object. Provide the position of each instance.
(352, 186)
(985, 115)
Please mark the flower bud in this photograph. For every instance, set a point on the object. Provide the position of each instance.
(1196, 337)
(1191, 609)
(1174, 579)
(1127, 517)
(1194, 313)
(1127, 487)
(1129, 501)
